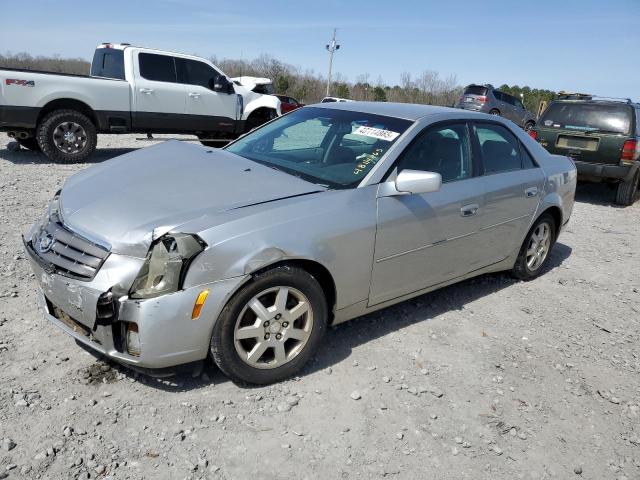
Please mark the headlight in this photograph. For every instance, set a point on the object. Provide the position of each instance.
(166, 265)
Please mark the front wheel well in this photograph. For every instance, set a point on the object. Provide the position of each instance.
(317, 271)
(67, 104)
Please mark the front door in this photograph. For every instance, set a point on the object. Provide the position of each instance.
(159, 101)
(426, 239)
(206, 110)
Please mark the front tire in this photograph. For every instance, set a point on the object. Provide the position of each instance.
(270, 328)
(535, 249)
(626, 191)
(67, 136)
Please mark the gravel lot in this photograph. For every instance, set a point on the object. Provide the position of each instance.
(491, 378)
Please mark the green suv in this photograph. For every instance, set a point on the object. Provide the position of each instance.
(602, 137)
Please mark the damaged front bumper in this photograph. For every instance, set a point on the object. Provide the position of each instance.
(151, 333)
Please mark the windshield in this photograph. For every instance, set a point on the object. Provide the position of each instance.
(332, 148)
(587, 117)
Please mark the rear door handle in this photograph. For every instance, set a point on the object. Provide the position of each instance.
(531, 192)
(469, 210)
(148, 91)
(194, 95)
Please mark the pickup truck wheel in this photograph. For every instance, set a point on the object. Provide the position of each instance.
(271, 327)
(67, 136)
(535, 248)
(626, 191)
(29, 143)
(260, 116)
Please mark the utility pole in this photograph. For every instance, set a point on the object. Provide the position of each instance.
(332, 47)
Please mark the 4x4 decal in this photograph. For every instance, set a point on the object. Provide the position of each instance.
(21, 83)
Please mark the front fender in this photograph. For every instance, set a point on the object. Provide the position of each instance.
(263, 101)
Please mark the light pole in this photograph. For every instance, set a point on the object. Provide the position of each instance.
(332, 47)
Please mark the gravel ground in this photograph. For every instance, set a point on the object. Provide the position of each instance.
(488, 379)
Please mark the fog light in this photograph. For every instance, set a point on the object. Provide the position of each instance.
(133, 340)
(197, 307)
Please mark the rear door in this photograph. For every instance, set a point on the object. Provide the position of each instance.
(513, 185)
(592, 132)
(159, 100)
(206, 110)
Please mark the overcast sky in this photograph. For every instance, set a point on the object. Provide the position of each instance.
(588, 46)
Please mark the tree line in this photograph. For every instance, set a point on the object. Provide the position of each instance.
(308, 86)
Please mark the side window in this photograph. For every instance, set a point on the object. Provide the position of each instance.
(500, 148)
(509, 99)
(159, 68)
(638, 121)
(193, 72)
(527, 161)
(445, 150)
(498, 95)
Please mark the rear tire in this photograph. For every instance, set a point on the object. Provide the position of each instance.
(29, 143)
(626, 191)
(494, 111)
(528, 126)
(250, 349)
(534, 252)
(67, 136)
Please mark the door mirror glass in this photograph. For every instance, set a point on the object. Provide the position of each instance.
(416, 181)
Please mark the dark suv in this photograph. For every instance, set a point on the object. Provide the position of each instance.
(485, 98)
(602, 137)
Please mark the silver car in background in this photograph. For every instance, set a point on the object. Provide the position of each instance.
(486, 99)
(175, 252)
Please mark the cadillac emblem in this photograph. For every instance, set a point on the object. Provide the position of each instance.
(45, 242)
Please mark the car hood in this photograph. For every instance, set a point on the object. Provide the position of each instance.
(129, 201)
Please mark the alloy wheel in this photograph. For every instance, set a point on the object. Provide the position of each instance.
(538, 248)
(273, 327)
(70, 137)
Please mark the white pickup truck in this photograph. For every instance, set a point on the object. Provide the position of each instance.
(130, 89)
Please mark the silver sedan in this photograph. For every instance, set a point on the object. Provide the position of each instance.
(174, 253)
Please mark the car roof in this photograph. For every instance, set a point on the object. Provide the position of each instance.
(408, 111)
(584, 101)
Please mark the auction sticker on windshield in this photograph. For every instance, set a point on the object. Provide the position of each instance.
(378, 133)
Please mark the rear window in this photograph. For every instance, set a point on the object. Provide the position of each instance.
(588, 117)
(160, 68)
(108, 63)
(475, 90)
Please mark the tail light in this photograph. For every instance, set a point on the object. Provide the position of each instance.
(481, 99)
(629, 151)
(533, 134)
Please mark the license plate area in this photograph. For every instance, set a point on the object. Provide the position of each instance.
(69, 321)
(580, 143)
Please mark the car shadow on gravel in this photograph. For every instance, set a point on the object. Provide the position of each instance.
(343, 338)
(596, 194)
(24, 157)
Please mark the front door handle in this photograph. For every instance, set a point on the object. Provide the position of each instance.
(469, 210)
(531, 192)
(148, 91)
(194, 95)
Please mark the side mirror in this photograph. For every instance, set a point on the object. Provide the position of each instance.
(220, 83)
(416, 181)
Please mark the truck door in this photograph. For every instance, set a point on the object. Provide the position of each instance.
(206, 110)
(158, 100)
